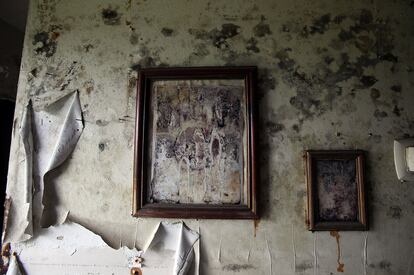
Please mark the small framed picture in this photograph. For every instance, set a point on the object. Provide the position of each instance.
(336, 194)
(194, 143)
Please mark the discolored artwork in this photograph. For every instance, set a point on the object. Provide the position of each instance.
(337, 190)
(335, 181)
(194, 143)
(197, 149)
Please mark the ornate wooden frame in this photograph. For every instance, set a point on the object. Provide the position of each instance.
(312, 193)
(143, 209)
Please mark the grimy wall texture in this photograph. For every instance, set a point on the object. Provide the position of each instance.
(332, 75)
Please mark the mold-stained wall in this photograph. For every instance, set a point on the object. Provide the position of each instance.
(332, 75)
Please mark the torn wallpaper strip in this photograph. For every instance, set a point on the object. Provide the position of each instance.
(21, 190)
(60, 125)
(174, 237)
(14, 268)
(27, 138)
(71, 248)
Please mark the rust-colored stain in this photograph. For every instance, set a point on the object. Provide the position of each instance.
(7, 205)
(54, 35)
(136, 271)
(256, 224)
(340, 265)
(5, 256)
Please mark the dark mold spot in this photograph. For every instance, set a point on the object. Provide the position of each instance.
(215, 148)
(133, 39)
(227, 31)
(266, 82)
(132, 83)
(394, 212)
(217, 37)
(384, 265)
(251, 45)
(296, 128)
(304, 102)
(285, 62)
(371, 38)
(365, 17)
(303, 266)
(34, 72)
(339, 18)
(316, 94)
(376, 138)
(380, 114)
(320, 25)
(149, 59)
(388, 57)
(89, 86)
(46, 41)
(397, 111)
(129, 23)
(285, 28)
(367, 81)
(396, 88)
(111, 16)
(345, 35)
(101, 122)
(364, 43)
(201, 50)
(273, 128)
(88, 47)
(101, 146)
(375, 94)
(262, 29)
(237, 267)
(167, 31)
(328, 60)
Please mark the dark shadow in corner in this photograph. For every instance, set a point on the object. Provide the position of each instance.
(6, 126)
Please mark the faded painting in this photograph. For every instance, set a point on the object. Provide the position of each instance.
(337, 190)
(197, 142)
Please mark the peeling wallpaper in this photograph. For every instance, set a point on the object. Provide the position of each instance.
(332, 75)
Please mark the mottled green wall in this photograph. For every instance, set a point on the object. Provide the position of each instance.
(333, 75)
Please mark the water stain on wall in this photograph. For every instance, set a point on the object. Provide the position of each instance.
(336, 235)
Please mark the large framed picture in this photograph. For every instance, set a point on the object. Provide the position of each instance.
(336, 192)
(195, 143)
